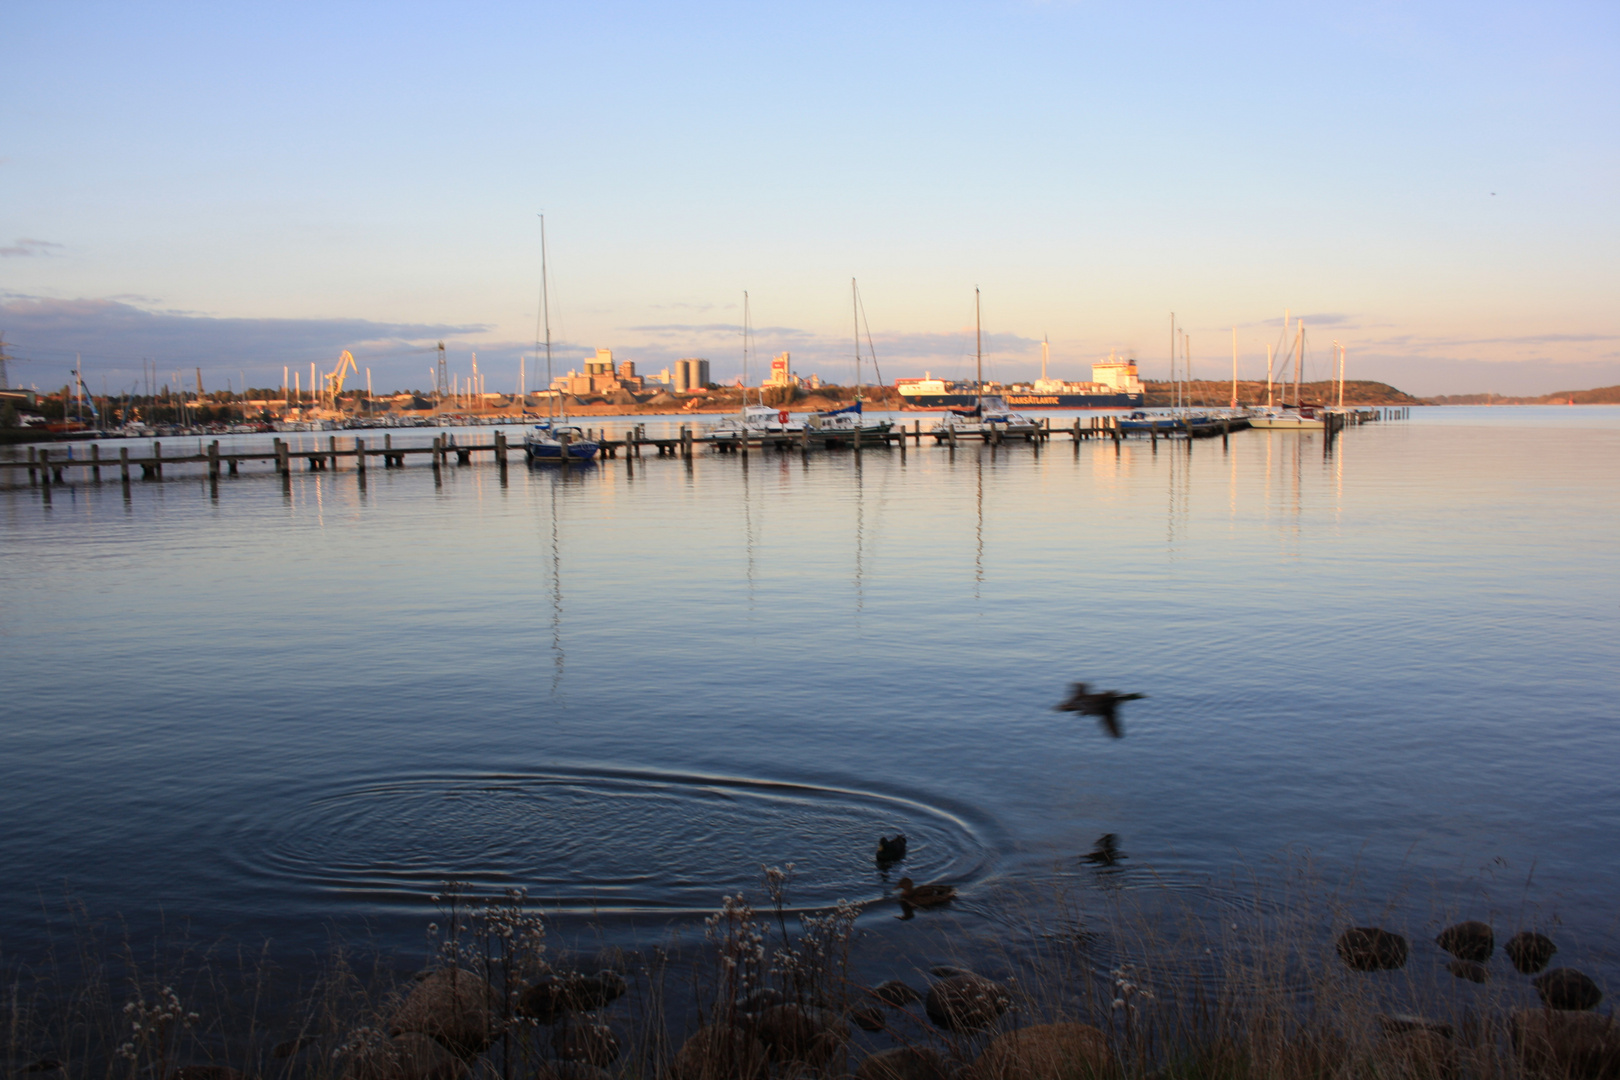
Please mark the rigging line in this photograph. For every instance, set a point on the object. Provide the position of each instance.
(861, 303)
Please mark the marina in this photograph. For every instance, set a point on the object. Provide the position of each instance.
(47, 465)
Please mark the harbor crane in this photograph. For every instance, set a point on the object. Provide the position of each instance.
(334, 378)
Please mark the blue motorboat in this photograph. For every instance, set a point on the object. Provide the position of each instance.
(554, 441)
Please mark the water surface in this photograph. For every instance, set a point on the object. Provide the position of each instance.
(276, 708)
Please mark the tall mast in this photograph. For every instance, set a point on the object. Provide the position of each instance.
(1341, 376)
(545, 311)
(855, 317)
(745, 354)
(1269, 361)
(1186, 370)
(978, 345)
(1046, 351)
(1234, 367)
(1173, 360)
(1299, 363)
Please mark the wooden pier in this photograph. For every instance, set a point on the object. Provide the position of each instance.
(47, 468)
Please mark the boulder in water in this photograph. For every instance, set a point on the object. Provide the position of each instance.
(1566, 988)
(1467, 969)
(1471, 940)
(550, 998)
(965, 1002)
(1368, 948)
(1530, 952)
(867, 1017)
(453, 1006)
(409, 1056)
(800, 1033)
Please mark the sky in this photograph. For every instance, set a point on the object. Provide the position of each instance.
(244, 188)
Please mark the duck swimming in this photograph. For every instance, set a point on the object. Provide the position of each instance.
(924, 896)
(890, 850)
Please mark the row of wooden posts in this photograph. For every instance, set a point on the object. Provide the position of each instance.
(45, 468)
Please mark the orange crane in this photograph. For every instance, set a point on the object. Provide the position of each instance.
(334, 378)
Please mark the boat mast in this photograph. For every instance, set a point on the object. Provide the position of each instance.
(1270, 359)
(1234, 367)
(745, 357)
(1299, 364)
(1186, 370)
(1341, 376)
(545, 319)
(1173, 395)
(1046, 350)
(855, 319)
(978, 348)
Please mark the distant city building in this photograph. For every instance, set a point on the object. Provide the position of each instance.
(782, 372)
(691, 374)
(600, 377)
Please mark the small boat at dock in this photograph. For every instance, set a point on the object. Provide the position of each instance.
(554, 441)
(1286, 418)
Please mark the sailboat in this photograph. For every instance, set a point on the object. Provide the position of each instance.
(851, 418)
(989, 417)
(1286, 417)
(553, 439)
(757, 419)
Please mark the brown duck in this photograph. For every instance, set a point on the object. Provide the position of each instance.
(924, 896)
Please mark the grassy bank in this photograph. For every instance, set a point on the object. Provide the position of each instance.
(1261, 989)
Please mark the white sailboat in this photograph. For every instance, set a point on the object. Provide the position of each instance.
(553, 439)
(990, 416)
(1283, 416)
(754, 421)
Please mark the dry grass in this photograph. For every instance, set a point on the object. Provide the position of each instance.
(1249, 990)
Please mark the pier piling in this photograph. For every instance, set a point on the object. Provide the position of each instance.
(123, 464)
(95, 456)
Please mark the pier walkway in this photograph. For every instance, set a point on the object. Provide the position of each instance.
(47, 468)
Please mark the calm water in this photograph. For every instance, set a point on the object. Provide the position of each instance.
(282, 709)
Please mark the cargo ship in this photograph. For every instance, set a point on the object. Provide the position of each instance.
(1114, 385)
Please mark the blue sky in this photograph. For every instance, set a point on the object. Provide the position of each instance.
(240, 188)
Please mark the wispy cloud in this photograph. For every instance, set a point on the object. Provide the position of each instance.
(26, 247)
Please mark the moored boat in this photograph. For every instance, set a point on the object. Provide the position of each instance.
(756, 421)
(1286, 418)
(555, 441)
